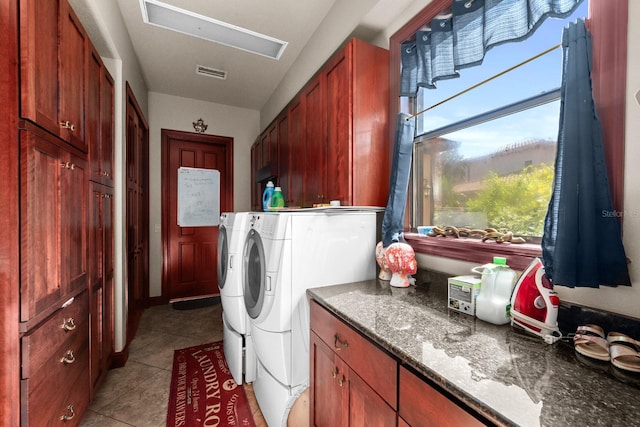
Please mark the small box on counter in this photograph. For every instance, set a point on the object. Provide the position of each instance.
(463, 291)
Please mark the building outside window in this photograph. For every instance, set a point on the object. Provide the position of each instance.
(486, 158)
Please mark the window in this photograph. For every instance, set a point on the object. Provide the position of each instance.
(608, 23)
(485, 158)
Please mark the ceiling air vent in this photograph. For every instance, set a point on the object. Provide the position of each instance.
(211, 72)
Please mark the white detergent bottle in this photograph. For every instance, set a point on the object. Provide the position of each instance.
(493, 303)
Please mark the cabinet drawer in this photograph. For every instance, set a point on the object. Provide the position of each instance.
(422, 405)
(66, 329)
(372, 364)
(57, 390)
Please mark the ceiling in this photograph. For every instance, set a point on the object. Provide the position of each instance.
(168, 59)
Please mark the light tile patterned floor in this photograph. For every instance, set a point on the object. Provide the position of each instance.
(138, 393)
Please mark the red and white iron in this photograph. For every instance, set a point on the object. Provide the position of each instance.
(534, 304)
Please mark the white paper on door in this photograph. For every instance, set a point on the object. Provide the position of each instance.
(198, 197)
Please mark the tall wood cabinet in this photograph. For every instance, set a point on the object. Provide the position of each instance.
(337, 144)
(57, 142)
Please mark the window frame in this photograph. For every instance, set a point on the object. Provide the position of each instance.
(607, 22)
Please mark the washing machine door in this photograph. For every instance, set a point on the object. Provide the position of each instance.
(254, 268)
(223, 256)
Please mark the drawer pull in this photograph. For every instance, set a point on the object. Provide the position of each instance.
(68, 358)
(68, 324)
(334, 373)
(69, 415)
(68, 125)
(338, 344)
(341, 381)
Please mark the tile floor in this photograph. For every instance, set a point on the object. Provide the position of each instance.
(138, 393)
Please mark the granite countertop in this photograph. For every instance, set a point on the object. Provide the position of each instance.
(507, 375)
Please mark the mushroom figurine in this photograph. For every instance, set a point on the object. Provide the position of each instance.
(401, 260)
(385, 273)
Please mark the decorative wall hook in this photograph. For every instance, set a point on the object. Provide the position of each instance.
(199, 126)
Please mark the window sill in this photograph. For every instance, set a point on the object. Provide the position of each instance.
(518, 256)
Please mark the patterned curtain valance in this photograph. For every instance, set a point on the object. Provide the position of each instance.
(461, 37)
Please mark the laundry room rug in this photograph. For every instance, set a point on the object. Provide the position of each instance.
(203, 392)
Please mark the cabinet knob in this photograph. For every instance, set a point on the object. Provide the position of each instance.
(68, 125)
(68, 165)
(69, 415)
(341, 381)
(68, 358)
(68, 324)
(334, 373)
(339, 344)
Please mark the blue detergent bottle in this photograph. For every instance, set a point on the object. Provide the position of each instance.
(266, 196)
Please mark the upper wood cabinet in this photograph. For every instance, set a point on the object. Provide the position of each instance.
(338, 144)
(52, 53)
(99, 119)
(357, 105)
(315, 181)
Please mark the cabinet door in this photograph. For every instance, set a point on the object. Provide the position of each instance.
(284, 157)
(366, 407)
(73, 42)
(41, 222)
(106, 127)
(316, 156)
(422, 405)
(74, 222)
(297, 152)
(339, 127)
(93, 103)
(329, 393)
(54, 222)
(101, 283)
(108, 281)
(39, 62)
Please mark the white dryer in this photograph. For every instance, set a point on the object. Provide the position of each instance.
(238, 346)
(284, 255)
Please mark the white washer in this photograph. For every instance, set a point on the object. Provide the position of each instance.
(284, 255)
(238, 346)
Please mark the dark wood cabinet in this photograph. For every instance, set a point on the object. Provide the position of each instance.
(55, 362)
(64, 164)
(358, 152)
(353, 382)
(337, 146)
(53, 223)
(53, 51)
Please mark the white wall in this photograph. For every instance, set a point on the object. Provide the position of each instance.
(172, 112)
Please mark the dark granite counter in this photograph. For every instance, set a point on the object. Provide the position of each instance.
(507, 375)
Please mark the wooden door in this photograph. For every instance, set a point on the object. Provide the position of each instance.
(137, 216)
(190, 253)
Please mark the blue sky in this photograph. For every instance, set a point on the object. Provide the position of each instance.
(540, 75)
